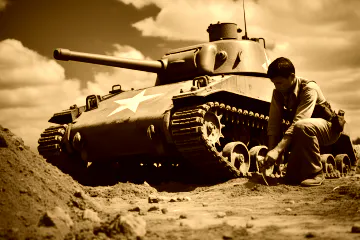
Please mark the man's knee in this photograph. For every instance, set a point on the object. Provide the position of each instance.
(304, 126)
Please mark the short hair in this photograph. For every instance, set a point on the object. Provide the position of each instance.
(280, 67)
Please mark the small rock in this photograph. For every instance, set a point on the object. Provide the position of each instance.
(146, 184)
(288, 209)
(79, 194)
(136, 225)
(183, 216)
(3, 143)
(142, 212)
(290, 202)
(180, 199)
(132, 227)
(253, 218)
(17, 140)
(56, 217)
(310, 235)
(14, 230)
(220, 215)
(153, 208)
(155, 199)
(164, 211)
(249, 225)
(23, 191)
(78, 203)
(227, 236)
(135, 209)
(205, 204)
(186, 199)
(132, 202)
(21, 147)
(91, 215)
(355, 228)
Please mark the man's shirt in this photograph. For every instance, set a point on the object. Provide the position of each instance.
(301, 101)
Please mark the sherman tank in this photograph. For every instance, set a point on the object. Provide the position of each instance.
(206, 115)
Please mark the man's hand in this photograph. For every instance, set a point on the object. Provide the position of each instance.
(271, 158)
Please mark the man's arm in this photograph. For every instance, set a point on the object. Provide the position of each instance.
(273, 141)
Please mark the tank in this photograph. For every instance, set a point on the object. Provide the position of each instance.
(205, 118)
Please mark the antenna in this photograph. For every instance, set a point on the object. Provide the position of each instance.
(245, 37)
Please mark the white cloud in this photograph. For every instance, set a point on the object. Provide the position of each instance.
(26, 68)
(32, 89)
(188, 20)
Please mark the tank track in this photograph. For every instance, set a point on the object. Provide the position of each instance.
(188, 129)
(52, 148)
(50, 141)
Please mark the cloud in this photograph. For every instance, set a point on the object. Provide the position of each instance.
(33, 87)
(138, 3)
(3, 4)
(188, 20)
(20, 67)
(127, 78)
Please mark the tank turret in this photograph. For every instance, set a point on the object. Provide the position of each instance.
(223, 54)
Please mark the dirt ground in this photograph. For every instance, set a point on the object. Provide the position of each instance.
(38, 201)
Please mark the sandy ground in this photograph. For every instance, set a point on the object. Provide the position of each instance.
(38, 201)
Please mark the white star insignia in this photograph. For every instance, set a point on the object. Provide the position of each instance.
(132, 103)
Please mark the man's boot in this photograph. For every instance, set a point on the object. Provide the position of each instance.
(315, 180)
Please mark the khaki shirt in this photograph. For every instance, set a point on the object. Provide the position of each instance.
(302, 102)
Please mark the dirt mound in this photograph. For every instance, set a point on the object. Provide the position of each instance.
(125, 191)
(39, 201)
(28, 187)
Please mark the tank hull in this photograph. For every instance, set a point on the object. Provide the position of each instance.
(119, 126)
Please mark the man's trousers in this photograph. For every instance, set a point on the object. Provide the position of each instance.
(308, 135)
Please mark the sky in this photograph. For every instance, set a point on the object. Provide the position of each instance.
(320, 37)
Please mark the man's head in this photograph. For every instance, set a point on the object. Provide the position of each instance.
(282, 73)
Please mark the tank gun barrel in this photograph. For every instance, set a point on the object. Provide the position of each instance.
(141, 65)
